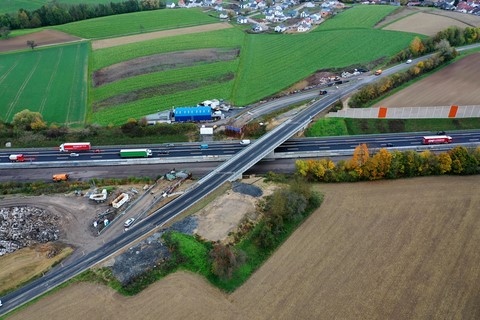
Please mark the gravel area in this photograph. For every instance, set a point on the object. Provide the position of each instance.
(247, 189)
(23, 226)
(148, 253)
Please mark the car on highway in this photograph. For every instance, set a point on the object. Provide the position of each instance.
(378, 72)
(323, 92)
(128, 223)
(408, 61)
(73, 154)
(170, 145)
(441, 133)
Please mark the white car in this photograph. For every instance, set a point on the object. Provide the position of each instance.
(128, 223)
(73, 154)
(409, 61)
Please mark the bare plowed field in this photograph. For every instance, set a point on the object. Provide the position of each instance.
(456, 84)
(42, 38)
(106, 43)
(430, 24)
(405, 249)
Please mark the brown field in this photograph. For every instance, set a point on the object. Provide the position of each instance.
(33, 261)
(41, 38)
(106, 43)
(404, 249)
(456, 84)
(429, 22)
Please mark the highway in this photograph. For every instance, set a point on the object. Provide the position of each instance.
(243, 158)
(228, 149)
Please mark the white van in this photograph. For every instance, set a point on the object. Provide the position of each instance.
(245, 142)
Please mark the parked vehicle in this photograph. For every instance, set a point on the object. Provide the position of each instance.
(436, 139)
(135, 153)
(128, 223)
(204, 146)
(323, 92)
(60, 177)
(16, 158)
(75, 146)
(245, 142)
(378, 72)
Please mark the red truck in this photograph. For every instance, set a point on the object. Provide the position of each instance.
(75, 146)
(436, 139)
(16, 158)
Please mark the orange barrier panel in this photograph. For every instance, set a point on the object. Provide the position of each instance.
(382, 112)
(453, 112)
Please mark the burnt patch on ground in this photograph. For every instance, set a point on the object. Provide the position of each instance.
(161, 62)
(159, 90)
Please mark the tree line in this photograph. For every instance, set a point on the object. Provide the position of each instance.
(55, 13)
(391, 165)
(28, 129)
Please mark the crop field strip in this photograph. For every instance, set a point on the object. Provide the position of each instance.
(136, 23)
(359, 17)
(159, 79)
(44, 80)
(227, 38)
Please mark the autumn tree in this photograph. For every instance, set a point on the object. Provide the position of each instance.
(446, 50)
(417, 47)
(359, 159)
(29, 120)
(462, 161)
(5, 32)
(444, 163)
(379, 165)
(31, 43)
(225, 260)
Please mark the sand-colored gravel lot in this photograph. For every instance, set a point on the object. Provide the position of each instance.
(404, 249)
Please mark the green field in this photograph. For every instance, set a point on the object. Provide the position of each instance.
(10, 6)
(266, 65)
(137, 22)
(51, 81)
(360, 16)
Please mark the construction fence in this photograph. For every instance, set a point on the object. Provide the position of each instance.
(453, 111)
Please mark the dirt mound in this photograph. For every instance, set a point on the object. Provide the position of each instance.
(41, 38)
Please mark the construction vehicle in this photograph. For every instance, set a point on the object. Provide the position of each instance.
(60, 177)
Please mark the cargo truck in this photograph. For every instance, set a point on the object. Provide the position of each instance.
(16, 158)
(436, 139)
(135, 153)
(75, 146)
